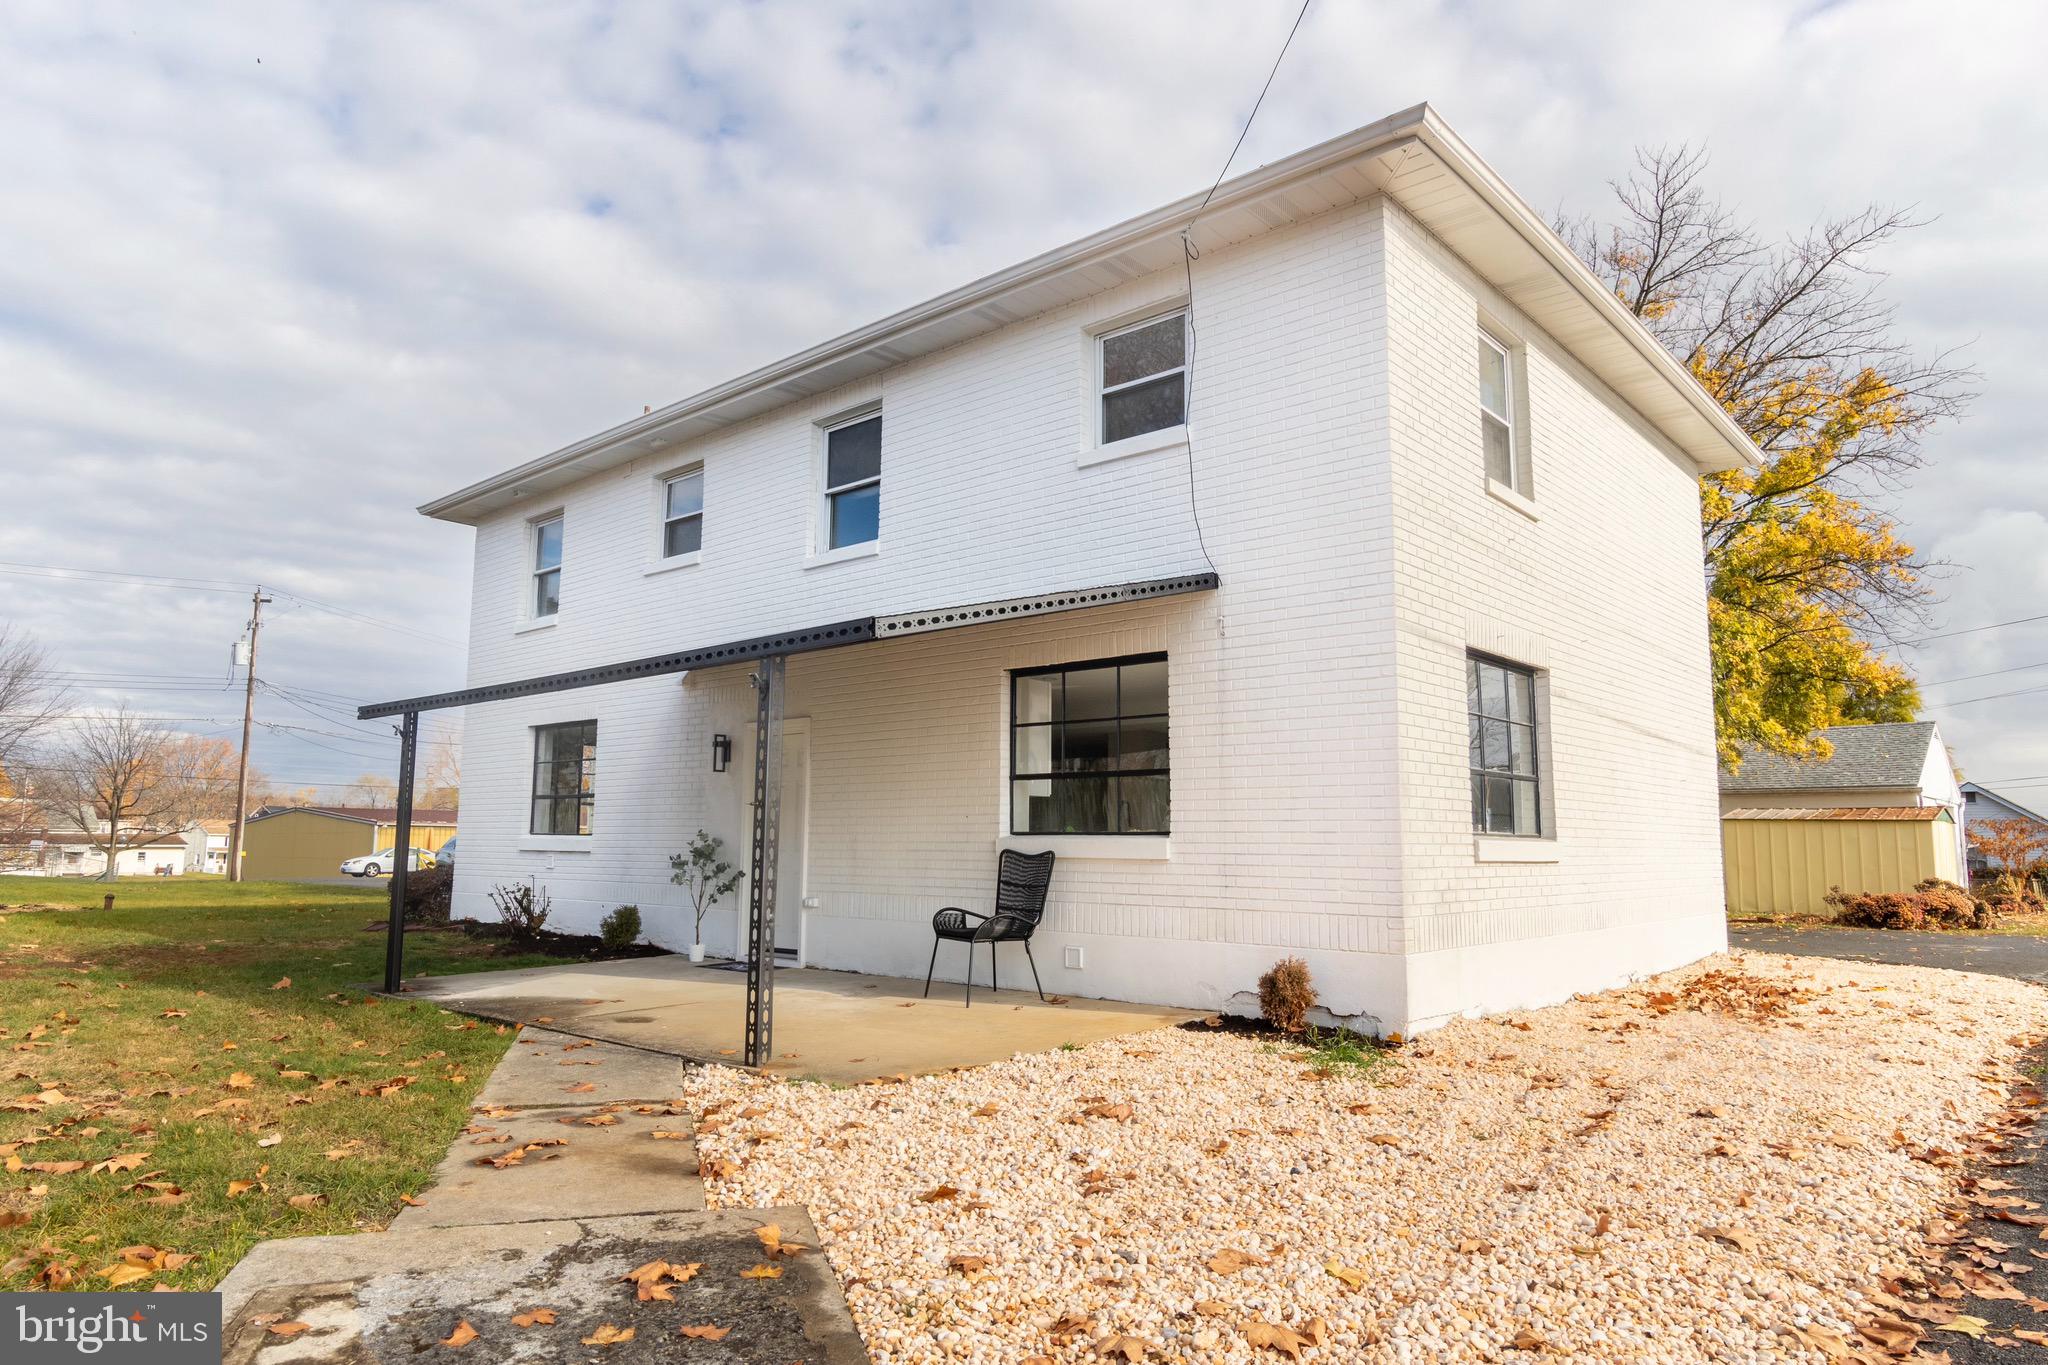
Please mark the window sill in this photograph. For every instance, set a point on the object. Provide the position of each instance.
(1166, 438)
(554, 843)
(1507, 848)
(1133, 848)
(531, 626)
(688, 561)
(1501, 493)
(845, 552)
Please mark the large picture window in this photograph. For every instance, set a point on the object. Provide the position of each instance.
(1500, 702)
(1144, 378)
(1088, 748)
(564, 777)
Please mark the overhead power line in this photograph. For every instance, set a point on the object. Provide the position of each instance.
(1972, 630)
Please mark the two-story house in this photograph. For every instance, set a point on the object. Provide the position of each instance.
(1347, 602)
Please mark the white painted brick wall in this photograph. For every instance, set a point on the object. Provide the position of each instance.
(1338, 476)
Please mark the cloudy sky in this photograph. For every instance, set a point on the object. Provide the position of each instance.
(271, 274)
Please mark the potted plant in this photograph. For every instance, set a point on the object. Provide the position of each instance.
(707, 877)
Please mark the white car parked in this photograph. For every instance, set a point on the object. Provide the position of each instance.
(378, 863)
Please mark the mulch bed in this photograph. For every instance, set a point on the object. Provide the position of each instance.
(503, 942)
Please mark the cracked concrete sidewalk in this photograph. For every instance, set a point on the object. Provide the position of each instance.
(556, 1229)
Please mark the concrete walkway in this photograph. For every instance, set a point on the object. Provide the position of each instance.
(595, 1194)
(2018, 956)
(832, 1026)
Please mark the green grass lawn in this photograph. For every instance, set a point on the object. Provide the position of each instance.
(178, 1034)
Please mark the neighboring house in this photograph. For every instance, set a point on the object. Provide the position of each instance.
(1881, 812)
(206, 846)
(1391, 702)
(1981, 804)
(68, 852)
(299, 843)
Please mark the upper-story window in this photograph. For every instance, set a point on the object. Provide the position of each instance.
(1500, 709)
(682, 513)
(547, 567)
(853, 482)
(1500, 418)
(1144, 375)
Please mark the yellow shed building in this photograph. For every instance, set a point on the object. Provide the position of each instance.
(302, 843)
(1785, 861)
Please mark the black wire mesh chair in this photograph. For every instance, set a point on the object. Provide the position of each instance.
(1022, 879)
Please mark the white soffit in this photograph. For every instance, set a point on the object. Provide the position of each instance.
(1412, 157)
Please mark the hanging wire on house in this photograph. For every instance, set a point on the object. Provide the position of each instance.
(1190, 253)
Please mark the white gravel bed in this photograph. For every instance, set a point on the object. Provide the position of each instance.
(1475, 1186)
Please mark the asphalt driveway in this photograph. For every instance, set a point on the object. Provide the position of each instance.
(2020, 957)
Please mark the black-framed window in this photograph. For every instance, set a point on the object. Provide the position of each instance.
(564, 777)
(1088, 748)
(1500, 702)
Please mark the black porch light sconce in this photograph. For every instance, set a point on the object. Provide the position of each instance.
(721, 752)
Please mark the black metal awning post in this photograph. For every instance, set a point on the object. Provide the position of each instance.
(768, 682)
(401, 853)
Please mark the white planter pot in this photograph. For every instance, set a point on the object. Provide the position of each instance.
(696, 952)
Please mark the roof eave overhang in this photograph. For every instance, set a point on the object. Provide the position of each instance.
(1412, 157)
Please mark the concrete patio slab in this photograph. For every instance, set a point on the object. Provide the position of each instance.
(544, 1068)
(832, 1026)
(385, 1298)
(617, 1167)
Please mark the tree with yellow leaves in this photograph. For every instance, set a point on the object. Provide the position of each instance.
(1808, 581)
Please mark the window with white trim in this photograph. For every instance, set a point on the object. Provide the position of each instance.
(853, 482)
(547, 567)
(1142, 374)
(1507, 462)
(682, 513)
(1500, 707)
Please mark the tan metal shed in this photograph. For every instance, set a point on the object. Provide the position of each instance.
(303, 843)
(1784, 861)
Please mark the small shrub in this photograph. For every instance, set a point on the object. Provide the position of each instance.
(1285, 995)
(521, 908)
(428, 894)
(620, 929)
(1932, 904)
(1877, 909)
(705, 875)
(1948, 906)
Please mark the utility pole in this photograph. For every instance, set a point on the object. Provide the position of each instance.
(256, 601)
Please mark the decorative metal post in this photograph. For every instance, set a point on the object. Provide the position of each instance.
(768, 683)
(401, 852)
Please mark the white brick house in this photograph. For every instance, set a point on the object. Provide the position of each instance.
(1310, 790)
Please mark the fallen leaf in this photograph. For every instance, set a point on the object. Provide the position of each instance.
(1734, 1237)
(1274, 1337)
(127, 1161)
(608, 1335)
(706, 1332)
(237, 1188)
(762, 1272)
(288, 1329)
(1966, 1325)
(1526, 1340)
(307, 1201)
(284, 983)
(933, 1196)
(545, 1317)
(1117, 1344)
(1353, 1278)
(771, 1241)
(966, 1265)
(270, 1141)
(118, 1275)
(240, 1080)
(1230, 1260)
(461, 1336)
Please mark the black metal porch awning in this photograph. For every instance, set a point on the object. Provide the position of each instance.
(772, 653)
(859, 631)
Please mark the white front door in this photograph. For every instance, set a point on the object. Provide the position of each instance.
(793, 838)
